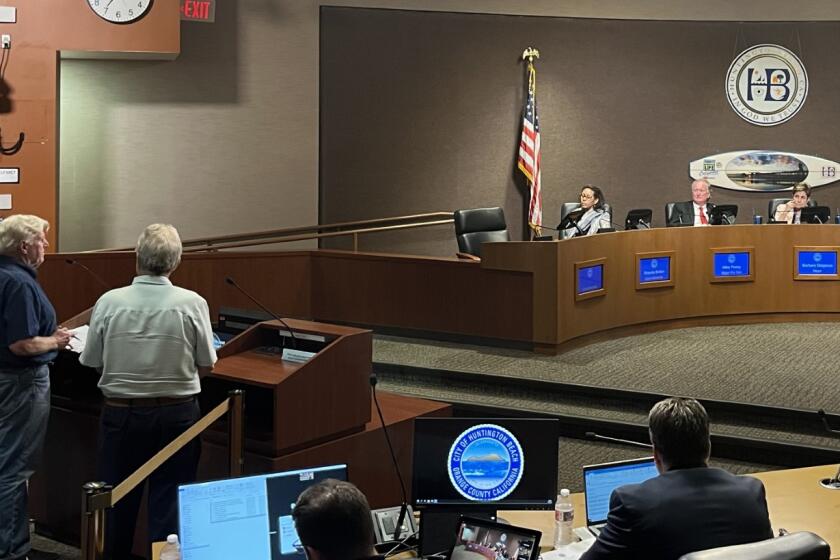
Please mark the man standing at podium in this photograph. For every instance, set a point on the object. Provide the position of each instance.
(30, 341)
(697, 211)
(151, 341)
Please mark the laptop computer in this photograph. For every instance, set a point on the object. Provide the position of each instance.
(480, 538)
(600, 480)
(248, 517)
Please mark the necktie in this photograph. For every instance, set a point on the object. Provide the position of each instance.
(703, 220)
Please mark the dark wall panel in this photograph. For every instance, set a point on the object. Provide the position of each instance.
(420, 111)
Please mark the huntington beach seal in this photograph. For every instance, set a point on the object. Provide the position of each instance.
(485, 463)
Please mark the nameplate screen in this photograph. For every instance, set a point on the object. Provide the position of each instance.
(654, 269)
(732, 265)
(816, 263)
(590, 279)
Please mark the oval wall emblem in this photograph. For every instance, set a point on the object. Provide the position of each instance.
(766, 85)
(485, 463)
(763, 170)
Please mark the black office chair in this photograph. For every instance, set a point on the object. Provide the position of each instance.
(774, 203)
(795, 546)
(479, 225)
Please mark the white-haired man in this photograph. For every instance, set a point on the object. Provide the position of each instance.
(31, 339)
(152, 341)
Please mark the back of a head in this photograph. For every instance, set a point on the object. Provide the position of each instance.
(333, 517)
(679, 430)
(158, 249)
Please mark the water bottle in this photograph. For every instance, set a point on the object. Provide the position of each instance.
(837, 217)
(757, 218)
(172, 549)
(564, 518)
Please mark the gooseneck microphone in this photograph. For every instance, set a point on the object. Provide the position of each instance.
(230, 281)
(599, 437)
(96, 277)
(832, 483)
(404, 505)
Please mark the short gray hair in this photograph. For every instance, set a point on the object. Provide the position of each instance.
(19, 228)
(158, 249)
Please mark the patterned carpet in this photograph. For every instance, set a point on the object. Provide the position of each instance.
(793, 365)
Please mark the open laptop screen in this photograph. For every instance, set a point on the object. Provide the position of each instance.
(600, 480)
(248, 517)
(479, 539)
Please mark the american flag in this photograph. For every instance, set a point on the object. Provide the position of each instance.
(529, 153)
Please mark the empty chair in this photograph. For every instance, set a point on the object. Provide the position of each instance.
(479, 225)
(795, 546)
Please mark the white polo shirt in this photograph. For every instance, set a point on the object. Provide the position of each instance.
(149, 339)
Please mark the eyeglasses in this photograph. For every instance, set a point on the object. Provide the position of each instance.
(586, 196)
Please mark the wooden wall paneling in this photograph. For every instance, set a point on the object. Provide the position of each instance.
(421, 293)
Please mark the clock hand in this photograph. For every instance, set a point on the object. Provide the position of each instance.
(109, 5)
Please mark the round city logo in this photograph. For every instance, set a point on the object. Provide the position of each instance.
(766, 85)
(654, 263)
(485, 463)
(731, 259)
(817, 257)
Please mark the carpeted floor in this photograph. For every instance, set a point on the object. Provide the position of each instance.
(794, 365)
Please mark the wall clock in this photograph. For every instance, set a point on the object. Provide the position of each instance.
(120, 11)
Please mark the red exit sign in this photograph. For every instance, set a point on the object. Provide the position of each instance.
(198, 10)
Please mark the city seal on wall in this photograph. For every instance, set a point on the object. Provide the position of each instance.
(766, 85)
(485, 463)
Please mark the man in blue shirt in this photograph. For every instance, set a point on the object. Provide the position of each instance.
(30, 340)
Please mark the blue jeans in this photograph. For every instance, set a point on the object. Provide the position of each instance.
(24, 412)
(128, 437)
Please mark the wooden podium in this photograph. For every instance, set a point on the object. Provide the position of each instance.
(289, 405)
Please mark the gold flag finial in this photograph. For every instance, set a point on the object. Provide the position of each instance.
(530, 53)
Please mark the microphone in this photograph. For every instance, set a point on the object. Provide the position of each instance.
(599, 437)
(230, 281)
(98, 278)
(404, 505)
(832, 483)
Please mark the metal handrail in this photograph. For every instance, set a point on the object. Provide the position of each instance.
(98, 497)
(302, 233)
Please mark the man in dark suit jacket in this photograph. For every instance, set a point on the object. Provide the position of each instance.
(697, 210)
(689, 506)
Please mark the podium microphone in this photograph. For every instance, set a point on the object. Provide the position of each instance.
(404, 505)
(832, 483)
(98, 278)
(230, 281)
(599, 437)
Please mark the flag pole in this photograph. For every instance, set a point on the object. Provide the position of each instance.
(530, 54)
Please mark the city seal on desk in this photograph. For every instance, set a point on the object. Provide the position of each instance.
(485, 463)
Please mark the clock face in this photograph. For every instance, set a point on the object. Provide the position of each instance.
(120, 11)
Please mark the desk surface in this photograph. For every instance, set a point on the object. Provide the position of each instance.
(795, 499)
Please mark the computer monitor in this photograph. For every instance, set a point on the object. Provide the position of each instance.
(639, 218)
(815, 215)
(248, 517)
(469, 464)
(723, 214)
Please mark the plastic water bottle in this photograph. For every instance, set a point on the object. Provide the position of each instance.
(172, 549)
(837, 217)
(564, 518)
